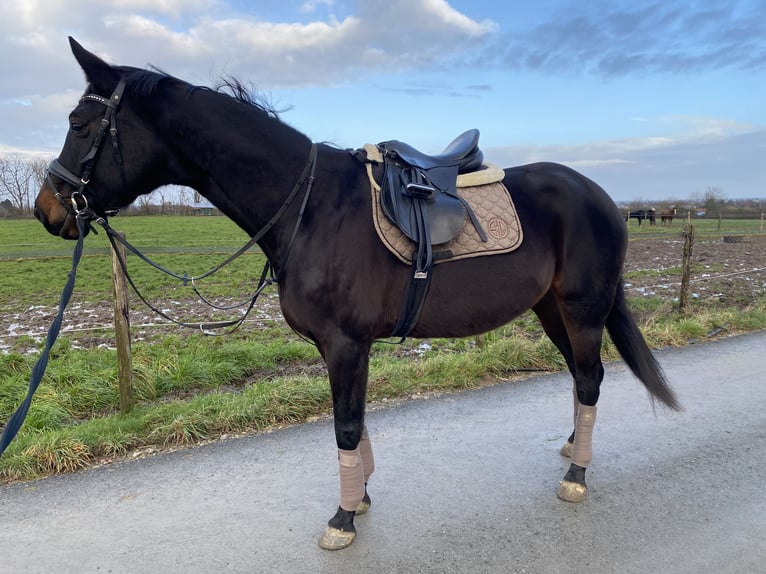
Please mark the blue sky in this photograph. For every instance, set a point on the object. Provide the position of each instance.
(653, 100)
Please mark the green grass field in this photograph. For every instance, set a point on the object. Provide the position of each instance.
(702, 227)
(191, 388)
(34, 264)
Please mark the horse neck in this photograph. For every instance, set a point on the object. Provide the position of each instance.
(246, 163)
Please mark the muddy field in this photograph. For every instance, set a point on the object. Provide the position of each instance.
(724, 273)
(729, 273)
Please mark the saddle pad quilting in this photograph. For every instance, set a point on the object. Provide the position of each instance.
(493, 207)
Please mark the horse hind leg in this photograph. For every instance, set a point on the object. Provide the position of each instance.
(589, 372)
(550, 317)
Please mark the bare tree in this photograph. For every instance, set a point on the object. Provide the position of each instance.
(39, 170)
(16, 177)
(712, 200)
(144, 204)
(161, 192)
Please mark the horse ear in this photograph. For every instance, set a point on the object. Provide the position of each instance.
(97, 72)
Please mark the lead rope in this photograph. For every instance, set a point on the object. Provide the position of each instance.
(17, 419)
(84, 217)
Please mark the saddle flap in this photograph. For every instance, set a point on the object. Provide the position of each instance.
(418, 204)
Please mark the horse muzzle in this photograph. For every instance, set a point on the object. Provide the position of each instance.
(55, 217)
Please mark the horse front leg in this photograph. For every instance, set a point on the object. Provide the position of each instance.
(347, 364)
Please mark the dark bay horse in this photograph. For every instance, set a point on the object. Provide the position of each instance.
(641, 215)
(135, 130)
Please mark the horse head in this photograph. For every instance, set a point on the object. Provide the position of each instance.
(111, 154)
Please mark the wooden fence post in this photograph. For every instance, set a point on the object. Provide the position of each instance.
(686, 267)
(122, 331)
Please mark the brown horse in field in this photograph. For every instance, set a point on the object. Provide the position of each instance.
(667, 215)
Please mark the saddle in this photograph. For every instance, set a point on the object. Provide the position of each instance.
(419, 192)
(419, 196)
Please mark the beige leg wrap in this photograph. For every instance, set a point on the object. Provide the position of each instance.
(368, 460)
(351, 478)
(582, 450)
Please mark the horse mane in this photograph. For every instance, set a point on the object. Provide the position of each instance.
(237, 89)
(145, 82)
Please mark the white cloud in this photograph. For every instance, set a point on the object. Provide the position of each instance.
(171, 7)
(615, 39)
(590, 163)
(446, 13)
(659, 168)
(373, 36)
(312, 5)
(198, 40)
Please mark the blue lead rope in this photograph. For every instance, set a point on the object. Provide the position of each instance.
(17, 419)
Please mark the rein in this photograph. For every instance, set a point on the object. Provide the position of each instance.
(78, 206)
(267, 275)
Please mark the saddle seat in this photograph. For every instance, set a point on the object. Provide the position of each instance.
(462, 152)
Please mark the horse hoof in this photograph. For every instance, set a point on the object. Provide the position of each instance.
(566, 450)
(364, 506)
(335, 539)
(571, 491)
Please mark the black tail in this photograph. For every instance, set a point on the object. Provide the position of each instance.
(636, 353)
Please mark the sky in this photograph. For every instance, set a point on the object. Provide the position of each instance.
(653, 100)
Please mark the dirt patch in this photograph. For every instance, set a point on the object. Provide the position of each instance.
(730, 273)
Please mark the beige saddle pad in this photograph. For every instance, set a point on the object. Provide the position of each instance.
(492, 206)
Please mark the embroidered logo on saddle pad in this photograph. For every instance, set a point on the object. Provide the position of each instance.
(492, 205)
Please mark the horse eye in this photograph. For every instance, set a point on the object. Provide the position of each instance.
(76, 128)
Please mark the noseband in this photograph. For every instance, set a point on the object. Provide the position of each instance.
(77, 202)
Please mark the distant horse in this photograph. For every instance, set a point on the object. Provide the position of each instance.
(339, 286)
(667, 215)
(641, 215)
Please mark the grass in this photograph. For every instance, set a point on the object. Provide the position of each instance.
(191, 388)
(703, 228)
(198, 244)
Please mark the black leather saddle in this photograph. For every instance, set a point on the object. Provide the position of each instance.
(419, 196)
(419, 191)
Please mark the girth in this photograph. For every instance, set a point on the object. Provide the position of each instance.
(419, 195)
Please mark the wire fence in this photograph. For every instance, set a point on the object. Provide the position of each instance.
(698, 279)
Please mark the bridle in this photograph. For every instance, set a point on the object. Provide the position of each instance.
(78, 206)
(77, 202)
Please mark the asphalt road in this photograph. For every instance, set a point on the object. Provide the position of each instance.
(465, 483)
